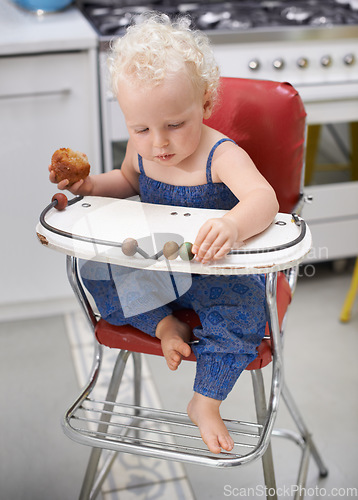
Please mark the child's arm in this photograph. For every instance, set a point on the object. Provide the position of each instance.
(254, 212)
(117, 183)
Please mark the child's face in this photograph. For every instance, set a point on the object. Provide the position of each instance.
(165, 121)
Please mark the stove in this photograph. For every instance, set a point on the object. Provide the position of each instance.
(110, 18)
(313, 44)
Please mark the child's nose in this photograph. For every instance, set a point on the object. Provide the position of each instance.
(160, 140)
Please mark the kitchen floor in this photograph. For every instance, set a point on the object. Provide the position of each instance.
(44, 361)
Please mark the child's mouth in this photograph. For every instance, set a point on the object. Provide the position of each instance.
(165, 157)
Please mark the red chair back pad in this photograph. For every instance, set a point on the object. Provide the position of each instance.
(267, 119)
(129, 338)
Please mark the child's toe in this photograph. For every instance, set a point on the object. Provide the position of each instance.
(185, 350)
(227, 443)
(212, 443)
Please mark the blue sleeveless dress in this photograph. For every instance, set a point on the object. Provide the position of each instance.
(232, 309)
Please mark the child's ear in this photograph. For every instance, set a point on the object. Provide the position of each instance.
(208, 105)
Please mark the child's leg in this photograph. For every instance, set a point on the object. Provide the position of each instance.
(97, 278)
(148, 289)
(232, 311)
(216, 375)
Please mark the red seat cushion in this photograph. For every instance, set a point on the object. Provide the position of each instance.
(131, 339)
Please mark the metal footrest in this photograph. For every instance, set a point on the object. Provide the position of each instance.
(157, 433)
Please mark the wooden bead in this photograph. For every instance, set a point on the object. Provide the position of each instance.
(61, 201)
(185, 251)
(171, 250)
(129, 246)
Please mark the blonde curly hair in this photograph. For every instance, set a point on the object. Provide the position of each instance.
(156, 47)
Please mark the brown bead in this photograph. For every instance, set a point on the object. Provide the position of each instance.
(61, 201)
(185, 251)
(129, 247)
(171, 250)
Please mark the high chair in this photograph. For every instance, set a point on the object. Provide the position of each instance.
(267, 119)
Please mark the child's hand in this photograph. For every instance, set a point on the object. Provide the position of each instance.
(83, 187)
(215, 239)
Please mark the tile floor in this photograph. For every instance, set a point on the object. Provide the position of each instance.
(44, 360)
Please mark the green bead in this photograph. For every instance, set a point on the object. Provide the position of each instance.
(185, 252)
(171, 250)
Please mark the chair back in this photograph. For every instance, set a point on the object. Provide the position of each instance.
(267, 119)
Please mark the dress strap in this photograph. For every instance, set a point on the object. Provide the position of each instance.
(140, 164)
(209, 179)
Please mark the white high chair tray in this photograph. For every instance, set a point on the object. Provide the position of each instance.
(94, 228)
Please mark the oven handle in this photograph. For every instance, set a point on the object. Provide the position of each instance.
(329, 92)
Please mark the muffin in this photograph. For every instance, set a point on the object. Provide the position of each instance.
(70, 165)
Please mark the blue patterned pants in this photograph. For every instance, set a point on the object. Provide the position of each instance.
(232, 311)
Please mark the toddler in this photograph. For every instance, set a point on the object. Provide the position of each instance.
(166, 81)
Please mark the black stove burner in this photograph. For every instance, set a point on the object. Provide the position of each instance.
(112, 17)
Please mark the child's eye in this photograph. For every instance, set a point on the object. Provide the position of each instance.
(141, 131)
(176, 125)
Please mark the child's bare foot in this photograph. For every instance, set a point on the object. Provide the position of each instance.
(174, 336)
(204, 412)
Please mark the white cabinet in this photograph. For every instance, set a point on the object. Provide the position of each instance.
(47, 101)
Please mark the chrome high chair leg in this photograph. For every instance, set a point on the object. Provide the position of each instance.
(306, 435)
(261, 411)
(103, 426)
(92, 484)
(76, 285)
(137, 374)
(112, 455)
(276, 382)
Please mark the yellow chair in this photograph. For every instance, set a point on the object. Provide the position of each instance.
(352, 292)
